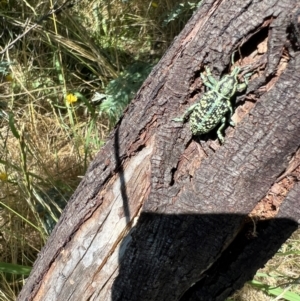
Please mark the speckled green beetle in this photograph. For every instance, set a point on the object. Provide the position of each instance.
(212, 108)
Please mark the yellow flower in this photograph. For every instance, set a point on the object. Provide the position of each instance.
(3, 176)
(70, 98)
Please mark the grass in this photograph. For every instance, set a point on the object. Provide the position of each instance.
(279, 279)
(63, 85)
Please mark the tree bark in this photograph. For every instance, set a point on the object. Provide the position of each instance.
(160, 216)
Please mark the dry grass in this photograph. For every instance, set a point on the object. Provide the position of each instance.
(50, 128)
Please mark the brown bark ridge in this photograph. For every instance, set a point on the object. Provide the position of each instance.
(160, 216)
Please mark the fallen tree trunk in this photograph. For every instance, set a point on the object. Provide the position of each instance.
(160, 216)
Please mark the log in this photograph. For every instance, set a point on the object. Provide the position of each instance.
(162, 215)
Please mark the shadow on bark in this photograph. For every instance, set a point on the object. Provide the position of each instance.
(184, 257)
(120, 169)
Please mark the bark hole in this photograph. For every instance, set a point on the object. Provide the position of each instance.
(173, 171)
(293, 31)
(251, 45)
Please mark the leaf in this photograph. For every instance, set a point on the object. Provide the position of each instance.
(275, 291)
(15, 269)
(11, 122)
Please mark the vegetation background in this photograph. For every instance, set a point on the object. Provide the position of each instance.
(63, 86)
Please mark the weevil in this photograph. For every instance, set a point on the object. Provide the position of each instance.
(215, 104)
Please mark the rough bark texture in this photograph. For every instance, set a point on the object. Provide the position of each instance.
(158, 218)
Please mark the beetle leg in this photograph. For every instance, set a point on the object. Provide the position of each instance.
(208, 80)
(219, 133)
